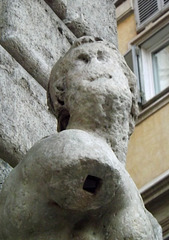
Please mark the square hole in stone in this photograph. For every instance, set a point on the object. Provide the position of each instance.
(92, 184)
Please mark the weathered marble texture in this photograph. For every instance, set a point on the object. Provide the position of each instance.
(94, 18)
(46, 197)
(33, 34)
(24, 116)
(92, 88)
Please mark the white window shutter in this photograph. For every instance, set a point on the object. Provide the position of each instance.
(146, 10)
(165, 2)
(132, 59)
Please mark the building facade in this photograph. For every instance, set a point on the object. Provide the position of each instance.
(143, 37)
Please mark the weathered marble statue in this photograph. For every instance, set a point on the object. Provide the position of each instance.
(73, 185)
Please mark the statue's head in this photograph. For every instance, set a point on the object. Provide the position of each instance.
(92, 88)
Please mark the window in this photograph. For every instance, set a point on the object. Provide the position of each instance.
(149, 60)
(161, 68)
(153, 60)
(149, 10)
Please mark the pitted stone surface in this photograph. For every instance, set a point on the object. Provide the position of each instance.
(5, 169)
(24, 115)
(94, 18)
(93, 86)
(34, 36)
(43, 197)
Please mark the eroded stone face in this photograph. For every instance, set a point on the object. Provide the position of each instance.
(71, 186)
(93, 85)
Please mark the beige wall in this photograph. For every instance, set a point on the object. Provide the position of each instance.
(126, 30)
(148, 152)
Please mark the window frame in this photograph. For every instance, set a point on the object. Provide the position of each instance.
(149, 85)
(157, 36)
(155, 72)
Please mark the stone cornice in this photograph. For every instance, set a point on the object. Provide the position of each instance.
(118, 2)
(150, 30)
(154, 189)
(156, 199)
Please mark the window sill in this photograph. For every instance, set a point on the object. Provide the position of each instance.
(153, 105)
(150, 30)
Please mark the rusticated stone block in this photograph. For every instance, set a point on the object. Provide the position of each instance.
(33, 34)
(24, 116)
(95, 18)
(59, 7)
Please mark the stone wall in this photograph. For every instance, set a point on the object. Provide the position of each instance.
(34, 34)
